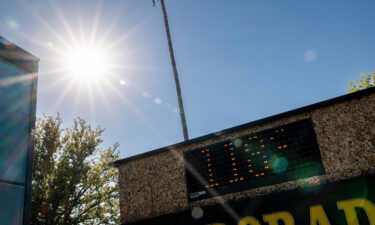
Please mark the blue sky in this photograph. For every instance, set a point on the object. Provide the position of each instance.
(238, 60)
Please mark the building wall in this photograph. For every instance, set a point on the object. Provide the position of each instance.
(14, 122)
(18, 74)
(155, 184)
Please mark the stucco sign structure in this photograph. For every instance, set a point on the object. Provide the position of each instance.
(312, 165)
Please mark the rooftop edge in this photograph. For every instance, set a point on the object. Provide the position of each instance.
(16, 55)
(342, 98)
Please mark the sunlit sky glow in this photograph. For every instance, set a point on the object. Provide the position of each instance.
(108, 61)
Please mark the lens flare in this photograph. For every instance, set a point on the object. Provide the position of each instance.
(280, 165)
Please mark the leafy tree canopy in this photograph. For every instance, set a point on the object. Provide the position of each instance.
(366, 80)
(73, 182)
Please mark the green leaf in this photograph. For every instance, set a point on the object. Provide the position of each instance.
(72, 180)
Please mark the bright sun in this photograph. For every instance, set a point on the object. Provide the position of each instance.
(90, 62)
(87, 63)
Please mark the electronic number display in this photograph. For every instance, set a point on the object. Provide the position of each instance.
(280, 154)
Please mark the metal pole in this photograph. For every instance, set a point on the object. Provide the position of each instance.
(175, 73)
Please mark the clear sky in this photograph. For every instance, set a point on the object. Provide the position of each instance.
(238, 60)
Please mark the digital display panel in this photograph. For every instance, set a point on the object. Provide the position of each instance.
(271, 156)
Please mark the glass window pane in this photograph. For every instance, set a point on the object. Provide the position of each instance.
(11, 204)
(15, 87)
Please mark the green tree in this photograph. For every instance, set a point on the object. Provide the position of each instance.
(73, 182)
(366, 80)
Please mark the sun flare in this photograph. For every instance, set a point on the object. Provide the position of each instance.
(87, 63)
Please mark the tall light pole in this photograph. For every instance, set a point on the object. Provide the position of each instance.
(175, 73)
